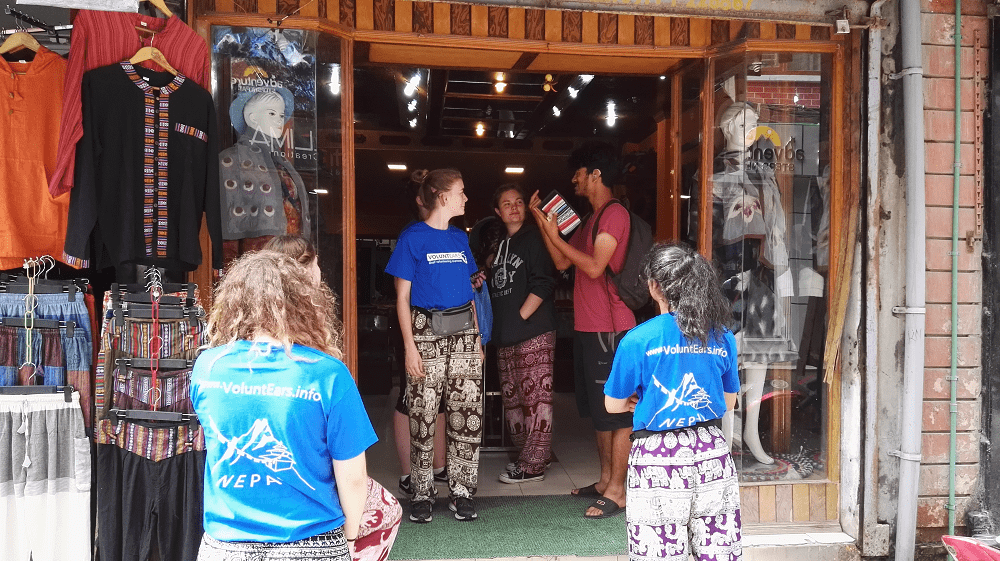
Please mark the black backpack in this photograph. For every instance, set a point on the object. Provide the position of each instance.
(632, 289)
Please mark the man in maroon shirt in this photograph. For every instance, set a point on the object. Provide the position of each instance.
(600, 316)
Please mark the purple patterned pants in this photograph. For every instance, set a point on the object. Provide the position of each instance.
(682, 496)
(526, 383)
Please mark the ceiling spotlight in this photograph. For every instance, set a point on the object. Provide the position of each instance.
(396, 167)
(412, 105)
(663, 77)
(413, 123)
(335, 79)
(500, 76)
(510, 134)
(572, 91)
(586, 78)
(612, 116)
(685, 196)
(412, 85)
(550, 83)
(480, 129)
(514, 169)
(321, 191)
(500, 86)
(556, 111)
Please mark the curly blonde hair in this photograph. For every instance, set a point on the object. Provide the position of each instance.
(266, 293)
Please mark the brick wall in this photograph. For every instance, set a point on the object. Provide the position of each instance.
(785, 93)
(939, 103)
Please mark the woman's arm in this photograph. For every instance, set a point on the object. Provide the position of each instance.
(615, 405)
(730, 401)
(412, 362)
(531, 303)
(352, 490)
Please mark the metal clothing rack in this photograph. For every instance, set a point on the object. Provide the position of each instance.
(29, 24)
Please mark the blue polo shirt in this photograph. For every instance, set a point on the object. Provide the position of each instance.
(274, 423)
(679, 383)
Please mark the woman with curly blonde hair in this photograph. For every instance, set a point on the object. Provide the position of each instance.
(285, 428)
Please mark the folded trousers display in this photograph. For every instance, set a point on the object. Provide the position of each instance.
(45, 471)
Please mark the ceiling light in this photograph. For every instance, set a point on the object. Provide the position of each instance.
(480, 129)
(396, 167)
(413, 123)
(514, 169)
(612, 116)
(335, 79)
(586, 78)
(556, 111)
(412, 105)
(510, 134)
(501, 77)
(320, 191)
(685, 196)
(663, 77)
(411, 86)
(572, 91)
(500, 86)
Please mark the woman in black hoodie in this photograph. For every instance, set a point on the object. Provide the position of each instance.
(522, 285)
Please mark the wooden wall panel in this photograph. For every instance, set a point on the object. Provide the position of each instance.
(802, 32)
(347, 12)
(364, 14)
(786, 31)
(820, 33)
(442, 18)
(783, 503)
(404, 16)
(817, 502)
(553, 26)
(324, 10)
(766, 496)
(498, 22)
(626, 29)
(534, 24)
(661, 31)
(480, 21)
(700, 32)
(680, 32)
(309, 9)
(737, 30)
(572, 27)
(461, 19)
(752, 29)
(284, 6)
(720, 31)
(423, 17)
(644, 30)
(749, 505)
(515, 23)
(385, 15)
(227, 6)
(607, 28)
(800, 502)
(589, 26)
(768, 30)
(832, 501)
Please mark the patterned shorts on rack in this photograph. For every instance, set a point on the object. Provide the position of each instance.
(682, 495)
(133, 389)
(331, 546)
(52, 353)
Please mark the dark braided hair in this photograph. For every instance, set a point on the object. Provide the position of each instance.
(691, 286)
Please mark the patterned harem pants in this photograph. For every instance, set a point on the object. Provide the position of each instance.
(331, 546)
(526, 383)
(682, 494)
(453, 371)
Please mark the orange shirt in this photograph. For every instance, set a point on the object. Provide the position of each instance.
(32, 223)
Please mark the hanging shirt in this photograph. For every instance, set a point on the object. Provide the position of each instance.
(103, 38)
(32, 223)
(147, 168)
(274, 424)
(439, 263)
(679, 382)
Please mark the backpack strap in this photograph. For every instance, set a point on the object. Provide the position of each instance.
(593, 234)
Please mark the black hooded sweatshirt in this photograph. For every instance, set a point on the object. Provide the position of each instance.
(522, 266)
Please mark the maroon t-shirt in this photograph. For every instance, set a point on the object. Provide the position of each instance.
(596, 305)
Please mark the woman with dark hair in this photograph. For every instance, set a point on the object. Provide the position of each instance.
(678, 374)
(522, 288)
(435, 275)
(285, 428)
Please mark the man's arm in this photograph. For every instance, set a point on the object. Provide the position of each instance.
(558, 258)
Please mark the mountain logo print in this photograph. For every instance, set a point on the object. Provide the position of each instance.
(689, 394)
(259, 446)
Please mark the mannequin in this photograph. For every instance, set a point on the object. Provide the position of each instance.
(749, 248)
(263, 194)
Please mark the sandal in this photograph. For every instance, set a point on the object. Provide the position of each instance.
(607, 507)
(588, 491)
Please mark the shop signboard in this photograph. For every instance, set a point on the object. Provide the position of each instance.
(780, 11)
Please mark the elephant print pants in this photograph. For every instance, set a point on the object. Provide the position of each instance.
(453, 371)
(526, 382)
(682, 496)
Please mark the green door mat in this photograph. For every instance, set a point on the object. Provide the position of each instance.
(512, 527)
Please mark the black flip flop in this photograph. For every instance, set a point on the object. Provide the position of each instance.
(607, 507)
(588, 491)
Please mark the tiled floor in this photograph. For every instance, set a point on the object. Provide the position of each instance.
(573, 445)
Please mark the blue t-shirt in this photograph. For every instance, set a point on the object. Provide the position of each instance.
(679, 383)
(273, 426)
(437, 262)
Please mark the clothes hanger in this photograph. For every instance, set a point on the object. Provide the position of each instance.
(162, 6)
(153, 54)
(20, 40)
